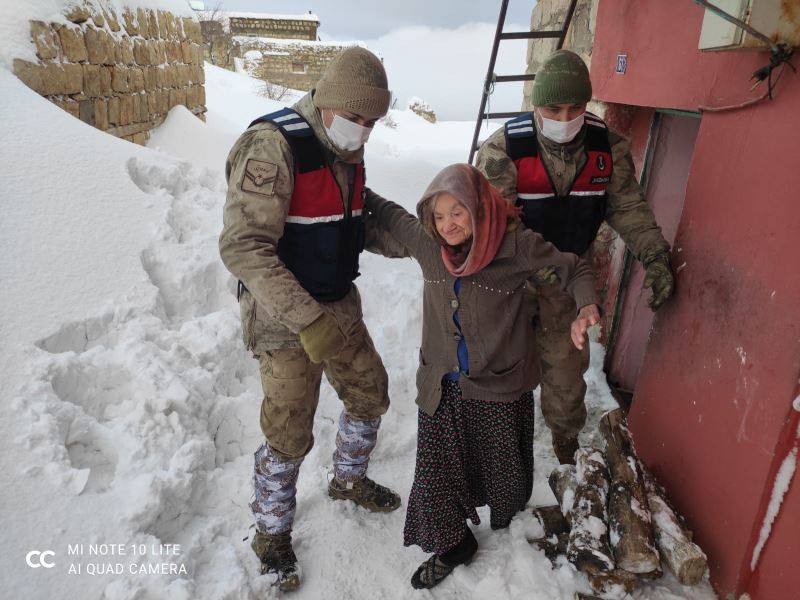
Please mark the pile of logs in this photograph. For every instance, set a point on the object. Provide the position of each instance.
(613, 521)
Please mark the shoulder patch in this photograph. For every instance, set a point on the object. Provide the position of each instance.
(259, 177)
(495, 167)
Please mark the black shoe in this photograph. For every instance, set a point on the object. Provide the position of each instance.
(437, 567)
(366, 493)
(277, 556)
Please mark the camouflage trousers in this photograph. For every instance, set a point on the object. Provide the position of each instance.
(291, 384)
(275, 479)
(291, 390)
(562, 364)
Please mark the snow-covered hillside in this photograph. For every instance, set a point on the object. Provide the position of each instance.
(131, 407)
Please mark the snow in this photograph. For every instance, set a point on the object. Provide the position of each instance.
(132, 406)
(781, 484)
(15, 30)
(246, 40)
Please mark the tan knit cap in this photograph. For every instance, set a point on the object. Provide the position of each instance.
(354, 81)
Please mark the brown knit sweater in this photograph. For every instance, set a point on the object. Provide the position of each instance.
(494, 310)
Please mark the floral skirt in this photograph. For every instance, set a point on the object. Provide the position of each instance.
(470, 453)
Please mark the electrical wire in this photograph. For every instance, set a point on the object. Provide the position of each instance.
(779, 59)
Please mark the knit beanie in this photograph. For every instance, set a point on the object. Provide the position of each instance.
(562, 79)
(355, 81)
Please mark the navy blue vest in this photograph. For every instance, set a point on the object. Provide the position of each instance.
(322, 236)
(569, 222)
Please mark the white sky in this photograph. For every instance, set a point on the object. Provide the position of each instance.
(436, 50)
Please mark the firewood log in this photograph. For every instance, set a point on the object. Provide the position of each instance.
(556, 532)
(563, 483)
(588, 547)
(551, 519)
(632, 536)
(553, 546)
(682, 556)
(613, 584)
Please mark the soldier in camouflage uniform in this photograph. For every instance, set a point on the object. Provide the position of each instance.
(292, 234)
(569, 172)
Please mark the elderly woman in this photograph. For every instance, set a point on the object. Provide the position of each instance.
(477, 363)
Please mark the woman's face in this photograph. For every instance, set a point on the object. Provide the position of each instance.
(452, 219)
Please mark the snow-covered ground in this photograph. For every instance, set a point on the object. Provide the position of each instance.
(130, 405)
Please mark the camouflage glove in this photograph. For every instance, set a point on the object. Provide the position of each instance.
(322, 339)
(658, 277)
(545, 276)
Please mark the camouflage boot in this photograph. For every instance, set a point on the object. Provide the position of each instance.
(366, 493)
(565, 449)
(276, 556)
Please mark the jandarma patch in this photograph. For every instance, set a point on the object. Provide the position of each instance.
(259, 177)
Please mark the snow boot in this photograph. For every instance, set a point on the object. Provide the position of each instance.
(437, 567)
(565, 449)
(366, 493)
(276, 556)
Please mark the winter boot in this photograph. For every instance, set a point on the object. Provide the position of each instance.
(365, 493)
(437, 567)
(565, 449)
(277, 556)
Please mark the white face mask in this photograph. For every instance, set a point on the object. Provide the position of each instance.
(561, 132)
(347, 135)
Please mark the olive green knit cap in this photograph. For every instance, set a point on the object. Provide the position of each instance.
(355, 81)
(562, 79)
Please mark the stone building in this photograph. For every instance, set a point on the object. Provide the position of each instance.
(292, 27)
(281, 49)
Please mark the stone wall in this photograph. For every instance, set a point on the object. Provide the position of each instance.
(295, 29)
(121, 73)
(296, 65)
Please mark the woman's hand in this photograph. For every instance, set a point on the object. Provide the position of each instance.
(587, 316)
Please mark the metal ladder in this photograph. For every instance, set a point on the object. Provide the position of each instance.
(491, 78)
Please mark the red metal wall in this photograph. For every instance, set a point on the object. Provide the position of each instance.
(672, 149)
(713, 399)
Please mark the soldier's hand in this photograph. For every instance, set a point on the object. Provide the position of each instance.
(587, 316)
(546, 276)
(322, 340)
(658, 277)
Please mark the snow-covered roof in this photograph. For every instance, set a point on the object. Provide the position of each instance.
(251, 15)
(251, 39)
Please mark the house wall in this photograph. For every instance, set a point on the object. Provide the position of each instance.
(298, 65)
(712, 412)
(295, 29)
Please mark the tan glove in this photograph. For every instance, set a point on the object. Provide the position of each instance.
(322, 340)
(658, 277)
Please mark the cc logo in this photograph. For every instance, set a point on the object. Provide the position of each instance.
(37, 558)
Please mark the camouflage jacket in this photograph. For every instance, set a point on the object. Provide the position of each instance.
(275, 307)
(627, 211)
